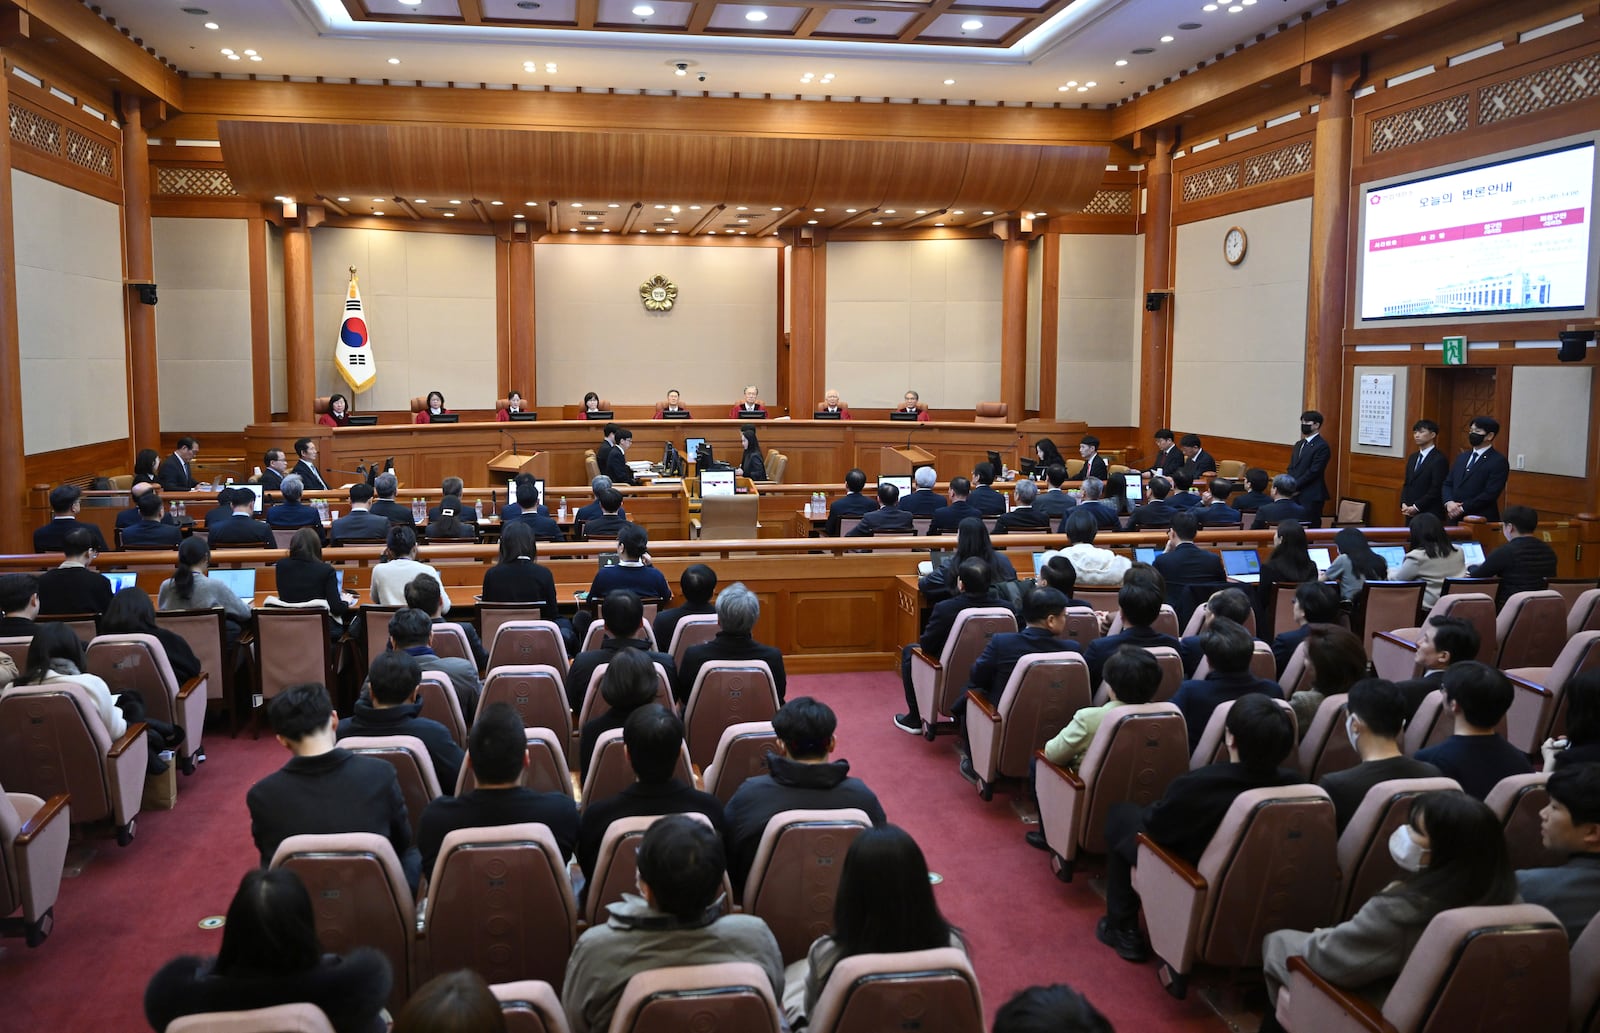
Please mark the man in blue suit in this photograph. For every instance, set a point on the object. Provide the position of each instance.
(1184, 563)
(1158, 512)
(1228, 647)
(983, 496)
(1307, 462)
(949, 518)
(922, 500)
(1477, 478)
(852, 504)
(1217, 511)
(972, 584)
(1141, 605)
(291, 513)
(151, 530)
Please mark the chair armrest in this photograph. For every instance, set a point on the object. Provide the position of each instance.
(1066, 775)
(1523, 685)
(53, 808)
(191, 685)
(1356, 1008)
(1181, 868)
(979, 700)
(918, 654)
(134, 733)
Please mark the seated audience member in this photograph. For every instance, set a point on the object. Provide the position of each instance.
(1183, 495)
(1430, 558)
(270, 955)
(653, 735)
(1316, 604)
(390, 707)
(56, 655)
(1231, 603)
(1167, 458)
(1444, 641)
(1256, 494)
(305, 466)
(390, 578)
(324, 789)
(514, 404)
(452, 488)
(1335, 660)
(1476, 756)
(674, 403)
(634, 571)
(1228, 648)
(1107, 515)
(972, 585)
(1215, 510)
(802, 774)
(948, 518)
(884, 905)
(923, 500)
(434, 407)
(983, 497)
(221, 511)
(1094, 566)
(593, 509)
(1259, 738)
(1050, 1009)
(1094, 464)
(1282, 507)
(852, 503)
(1025, 517)
(1453, 853)
(386, 485)
(303, 576)
(512, 509)
(455, 1001)
(751, 463)
(130, 612)
(423, 593)
(1195, 455)
(616, 466)
(275, 467)
(1581, 744)
(1183, 563)
(1356, 563)
(623, 615)
(1525, 563)
(749, 405)
(497, 751)
(175, 473)
(151, 530)
(451, 523)
(1158, 512)
(531, 512)
(65, 502)
(698, 583)
(1054, 502)
(629, 683)
(609, 522)
(1140, 605)
(19, 600)
(291, 512)
(1058, 573)
(972, 540)
(72, 587)
(411, 631)
(241, 526)
(131, 515)
(738, 609)
(1375, 721)
(1570, 824)
(675, 920)
(888, 518)
(360, 523)
(518, 577)
(189, 588)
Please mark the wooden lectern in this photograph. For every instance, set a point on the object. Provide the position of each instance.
(902, 462)
(508, 464)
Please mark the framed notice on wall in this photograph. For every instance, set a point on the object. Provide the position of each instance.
(1375, 409)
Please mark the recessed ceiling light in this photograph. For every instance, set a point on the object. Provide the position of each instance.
(866, 20)
(669, 219)
(550, 66)
(755, 16)
(1062, 89)
(1091, 84)
(255, 57)
(1248, 3)
(877, 222)
(888, 211)
(529, 204)
(922, 211)
(988, 213)
(1209, 7)
(744, 208)
(819, 209)
(606, 230)
(454, 201)
(744, 233)
(342, 200)
(378, 200)
(212, 25)
(412, 3)
(517, 216)
(1083, 89)
(613, 204)
(849, 211)
(744, 222)
(228, 51)
(594, 218)
(644, 10)
(692, 208)
(1072, 82)
(958, 213)
(777, 208)
(811, 222)
(1167, 39)
(674, 232)
(1235, 9)
(579, 204)
(949, 82)
(971, 25)
(233, 57)
(938, 224)
(448, 215)
(394, 60)
(681, 69)
(419, 200)
(1122, 62)
(249, 53)
(377, 213)
(497, 203)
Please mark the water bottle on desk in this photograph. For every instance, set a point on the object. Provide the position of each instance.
(563, 515)
(478, 509)
(419, 511)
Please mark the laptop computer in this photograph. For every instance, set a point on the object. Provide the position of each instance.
(716, 482)
(607, 559)
(1039, 560)
(1146, 553)
(1322, 556)
(242, 581)
(1472, 552)
(1242, 565)
(1392, 555)
(121, 579)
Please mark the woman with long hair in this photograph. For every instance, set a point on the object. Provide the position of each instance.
(449, 523)
(270, 955)
(131, 613)
(885, 905)
(303, 575)
(1290, 560)
(973, 542)
(1337, 660)
(1453, 854)
(1581, 744)
(591, 404)
(189, 587)
(1047, 454)
(751, 462)
(145, 464)
(1116, 493)
(56, 655)
(629, 683)
(1430, 558)
(1356, 563)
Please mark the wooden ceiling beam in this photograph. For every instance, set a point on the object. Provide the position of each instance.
(99, 49)
(632, 217)
(707, 219)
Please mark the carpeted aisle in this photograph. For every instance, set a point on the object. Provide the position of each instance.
(129, 910)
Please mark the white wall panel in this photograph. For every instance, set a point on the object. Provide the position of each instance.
(203, 323)
(1098, 301)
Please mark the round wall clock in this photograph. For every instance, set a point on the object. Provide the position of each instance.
(1234, 244)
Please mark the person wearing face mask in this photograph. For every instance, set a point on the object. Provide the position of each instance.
(1453, 854)
(1375, 718)
(1307, 462)
(1477, 477)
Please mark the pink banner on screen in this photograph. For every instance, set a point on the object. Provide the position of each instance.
(1496, 228)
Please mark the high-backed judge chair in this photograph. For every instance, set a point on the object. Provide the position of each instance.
(991, 412)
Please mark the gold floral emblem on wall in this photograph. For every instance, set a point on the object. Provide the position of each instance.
(658, 293)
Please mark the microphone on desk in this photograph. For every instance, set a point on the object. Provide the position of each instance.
(914, 428)
(513, 438)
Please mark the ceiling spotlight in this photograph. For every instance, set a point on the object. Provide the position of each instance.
(1072, 82)
(1122, 62)
(819, 209)
(938, 224)
(1235, 9)
(497, 203)
(255, 57)
(669, 219)
(377, 213)
(517, 216)
(681, 68)
(922, 211)
(777, 208)
(448, 215)
(412, 3)
(988, 213)
(1209, 8)
(394, 60)
(755, 16)
(692, 208)
(644, 10)
(971, 25)
(949, 82)
(888, 211)
(212, 25)
(379, 200)
(529, 66)
(227, 51)
(594, 218)
(744, 222)
(849, 211)
(579, 204)
(1083, 89)
(877, 222)
(811, 222)
(742, 208)
(1062, 89)
(249, 53)
(342, 200)
(454, 201)
(1091, 84)
(661, 207)
(1248, 3)
(958, 213)
(550, 66)
(1167, 39)
(233, 57)
(613, 204)
(866, 20)
(530, 204)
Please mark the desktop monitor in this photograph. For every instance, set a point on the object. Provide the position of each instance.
(691, 448)
(445, 417)
(242, 581)
(901, 482)
(121, 579)
(823, 414)
(996, 462)
(716, 482)
(1322, 556)
(599, 414)
(1393, 555)
(1146, 553)
(675, 414)
(1472, 552)
(523, 417)
(361, 421)
(900, 416)
(511, 490)
(1242, 564)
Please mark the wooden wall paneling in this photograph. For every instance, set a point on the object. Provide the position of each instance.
(1062, 173)
(1049, 321)
(1155, 355)
(1014, 319)
(99, 49)
(13, 473)
(1502, 22)
(772, 171)
(299, 329)
(260, 322)
(1269, 455)
(144, 396)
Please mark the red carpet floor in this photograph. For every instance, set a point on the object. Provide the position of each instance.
(129, 910)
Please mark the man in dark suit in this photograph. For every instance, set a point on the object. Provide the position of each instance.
(291, 513)
(1195, 455)
(749, 407)
(275, 469)
(65, 502)
(390, 707)
(983, 496)
(949, 518)
(1570, 829)
(616, 465)
(853, 503)
(1377, 719)
(609, 521)
(1025, 517)
(1140, 605)
(1316, 604)
(1442, 642)
(1227, 647)
(737, 613)
(325, 789)
(888, 518)
(221, 511)
(1256, 491)
(1094, 503)
(306, 467)
(360, 522)
(545, 528)
(426, 594)
(1158, 512)
(1216, 509)
(972, 588)
(1284, 505)
(1307, 463)
(151, 531)
(1184, 563)
(1259, 738)
(1183, 495)
(174, 473)
(1167, 458)
(241, 527)
(19, 605)
(73, 587)
(1053, 503)
(1094, 464)
(1425, 474)
(386, 485)
(1524, 563)
(923, 500)
(448, 487)
(1477, 477)
(623, 615)
(698, 583)
(592, 510)
(1476, 755)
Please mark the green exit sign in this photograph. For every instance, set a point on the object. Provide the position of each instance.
(1455, 351)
